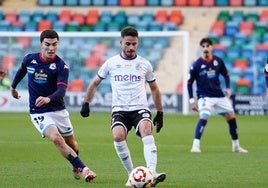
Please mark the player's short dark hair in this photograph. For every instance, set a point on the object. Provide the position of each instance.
(129, 31)
(51, 34)
(205, 40)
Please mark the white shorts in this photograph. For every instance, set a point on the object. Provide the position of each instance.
(220, 105)
(60, 119)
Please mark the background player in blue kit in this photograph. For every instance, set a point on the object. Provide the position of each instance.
(47, 82)
(129, 73)
(206, 71)
(266, 74)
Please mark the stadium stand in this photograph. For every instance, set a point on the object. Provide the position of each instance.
(238, 32)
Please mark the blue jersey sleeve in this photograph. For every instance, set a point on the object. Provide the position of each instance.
(266, 74)
(20, 74)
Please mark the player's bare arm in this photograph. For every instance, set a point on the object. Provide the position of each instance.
(156, 96)
(14, 93)
(92, 88)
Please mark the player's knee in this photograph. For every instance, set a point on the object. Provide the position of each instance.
(204, 115)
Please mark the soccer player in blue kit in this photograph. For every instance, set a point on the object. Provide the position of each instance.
(129, 73)
(206, 71)
(47, 82)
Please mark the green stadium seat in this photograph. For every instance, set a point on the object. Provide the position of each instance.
(85, 28)
(72, 26)
(252, 16)
(224, 15)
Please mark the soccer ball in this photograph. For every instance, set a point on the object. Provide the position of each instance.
(141, 177)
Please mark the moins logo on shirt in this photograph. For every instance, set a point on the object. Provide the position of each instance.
(127, 77)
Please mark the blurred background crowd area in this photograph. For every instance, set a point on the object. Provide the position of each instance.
(238, 29)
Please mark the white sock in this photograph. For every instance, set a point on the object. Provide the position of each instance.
(150, 152)
(123, 153)
(196, 143)
(235, 143)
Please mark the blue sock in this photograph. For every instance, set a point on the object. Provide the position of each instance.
(233, 128)
(200, 128)
(76, 162)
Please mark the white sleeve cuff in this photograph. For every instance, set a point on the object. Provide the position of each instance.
(191, 100)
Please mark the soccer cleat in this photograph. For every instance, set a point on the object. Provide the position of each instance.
(158, 178)
(195, 149)
(239, 149)
(88, 174)
(76, 173)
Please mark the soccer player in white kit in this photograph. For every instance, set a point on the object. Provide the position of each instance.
(129, 73)
(206, 71)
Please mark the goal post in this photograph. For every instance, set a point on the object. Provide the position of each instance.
(174, 60)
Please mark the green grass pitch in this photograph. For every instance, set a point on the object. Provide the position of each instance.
(27, 160)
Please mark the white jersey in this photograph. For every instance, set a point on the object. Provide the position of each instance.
(128, 78)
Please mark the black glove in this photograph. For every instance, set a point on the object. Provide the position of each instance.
(85, 110)
(158, 121)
